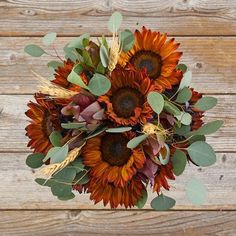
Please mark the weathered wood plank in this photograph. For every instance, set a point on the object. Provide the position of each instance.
(19, 191)
(212, 61)
(13, 122)
(117, 223)
(178, 17)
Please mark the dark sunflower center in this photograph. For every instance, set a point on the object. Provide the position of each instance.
(47, 124)
(114, 149)
(149, 60)
(125, 100)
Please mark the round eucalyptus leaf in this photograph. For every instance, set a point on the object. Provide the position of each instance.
(127, 40)
(55, 64)
(61, 190)
(196, 192)
(186, 81)
(209, 128)
(162, 203)
(67, 197)
(182, 67)
(202, 153)
(179, 161)
(55, 138)
(35, 160)
(133, 143)
(183, 130)
(74, 78)
(82, 177)
(205, 103)
(66, 175)
(114, 22)
(49, 38)
(156, 101)
(142, 200)
(57, 154)
(185, 118)
(184, 95)
(34, 50)
(99, 84)
(78, 42)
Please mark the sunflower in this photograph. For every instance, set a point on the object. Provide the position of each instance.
(126, 101)
(62, 73)
(110, 160)
(45, 118)
(128, 195)
(158, 56)
(164, 172)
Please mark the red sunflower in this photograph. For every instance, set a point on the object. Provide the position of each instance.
(126, 101)
(128, 195)
(158, 56)
(164, 172)
(62, 74)
(110, 160)
(45, 118)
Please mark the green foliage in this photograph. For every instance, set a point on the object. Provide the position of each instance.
(196, 192)
(55, 138)
(114, 22)
(185, 118)
(104, 55)
(162, 203)
(118, 130)
(49, 38)
(127, 40)
(182, 67)
(179, 161)
(142, 200)
(54, 64)
(57, 154)
(133, 143)
(184, 95)
(171, 108)
(79, 42)
(156, 101)
(35, 160)
(34, 50)
(99, 84)
(186, 81)
(202, 153)
(73, 125)
(205, 103)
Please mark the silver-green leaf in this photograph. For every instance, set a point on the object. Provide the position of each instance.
(133, 143)
(34, 50)
(114, 22)
(49, 38)
(162, 203)
(179, 161)
(205, 103)
(156, 101)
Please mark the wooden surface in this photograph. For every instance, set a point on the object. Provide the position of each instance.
(207, 32)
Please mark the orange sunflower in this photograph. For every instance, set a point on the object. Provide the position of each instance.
(45, 118)
(128, 195)
(62, 74)
(110, 160)
(164, 172)
(158, 56)
(126, 101)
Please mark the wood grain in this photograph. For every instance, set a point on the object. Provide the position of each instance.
(177, 17)
(212, 61)
(117, 223)
(19, 191)
(13, 122)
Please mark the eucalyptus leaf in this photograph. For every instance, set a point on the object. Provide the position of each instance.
(35, 160)
(61, 190)
(118, 130)
(49, 38)
(99, 84)
(100, 68)
(86, 58)
(202, 153)
(34, 50)
(55, 138)
(183, 130)
(127, 40)
(70, 53)
(179, 161)
(156, 101)
(133, 143)
(44, 182)
(74, 78)
(78, 165)
(66, 175)
(185, 118)
(196, 192)
(104, 42)
(57, 154)
(196, 138)
(98, 131)
(55, 64)
(114, 22)
(142, 200)
(186, 81)
(205, 103)
(67, 197)
(184, 95)
(162, 203)
(171, 108)
(208, 128)
(78, 42)
(104, 55)
(81, 178)
(73, 125)
(182, 67)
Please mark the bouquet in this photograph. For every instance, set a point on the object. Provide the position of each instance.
(116, 117)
